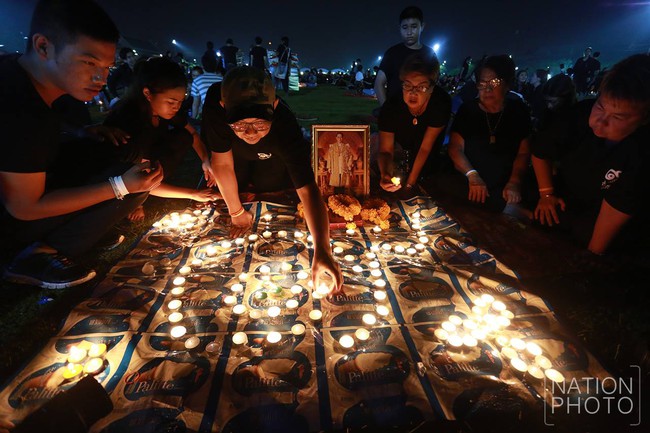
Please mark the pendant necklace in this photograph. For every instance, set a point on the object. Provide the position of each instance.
(493, 138)
(415, 116)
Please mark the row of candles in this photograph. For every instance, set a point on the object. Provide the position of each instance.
(87, 358)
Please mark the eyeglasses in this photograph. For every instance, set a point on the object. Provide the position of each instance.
(489, 85)
(259, 126)
(422, 88)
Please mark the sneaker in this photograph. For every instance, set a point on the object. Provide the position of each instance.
(110, 241)
(49, 270)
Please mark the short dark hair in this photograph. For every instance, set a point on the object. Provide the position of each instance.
(258, 40)
(229, 41)
(629, 80)
(285, 40)
(503, 66)
(411, 12)
(429, 67)
(63, 21)
(210, 45)
(124, 51)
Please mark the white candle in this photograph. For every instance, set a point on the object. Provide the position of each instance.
(316, 295)
(509, 352)
(376, 229)
(267, 217)
(192, 342)
(374, 248)
(369, 319)
(230, 300)
(441, 334)
(411, 251)
(323, 289)
(266, 234)
(488, 299)
(264, 269)
(310, 239)
(282, 234)
(508, 314)
(298, 234)
(533, 349)
(226, 244)
(478, 310)
(274, 311)
(302, 275)
(543, 362)
(519, 365)
(380, 283)
(416, 226)
(211, 250)
(362, 334)
(479, 302)
(374, 265)
(518, 343)
(286, 267)
(185, 270)
(502, 340)
(239, 309)
(72, 370)
(448, 326)
(273, 337)
(292, 304)
(382, 310)
(498, 306)
(423, 240)
(236, 288)
(93, 366)
(315, 315)
(380, 295)
(399, 249)
(177, 291)
(346, 341)
(239, 338)
(175, 317)
(255, 314)
(76, 354)
(349, 232)
(535, 372)
(96, 350)
(357, 269)
(456, 320)
(455, 340)
(178, 331)
(419, 247)
(178, 281)
(469, 341)
(376, 273)
(386, 247)
(503, 322)
(371, 256)
(253, 237)
(197, 263)
(467, 324)
(296, 289)
(298, 329)
(239, 241)
(479, 334)
(415, 214)
(349, 258)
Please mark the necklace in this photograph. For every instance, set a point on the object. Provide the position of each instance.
(493, 138)
(416, 115)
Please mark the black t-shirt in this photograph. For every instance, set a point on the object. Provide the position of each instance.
(395, 117)
(591, 169)
(29, 127)
(258, 53)
(492, 161)
(144, 136)
(229, 53)
(392, 62)
(280, 160)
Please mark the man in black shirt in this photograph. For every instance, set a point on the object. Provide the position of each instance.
(387, 83)
(257, 144)
(229, 55)
(121, 77)
(258, 55)
(72, 46)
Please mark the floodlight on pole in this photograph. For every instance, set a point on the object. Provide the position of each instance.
(174, 42)
(436, 47)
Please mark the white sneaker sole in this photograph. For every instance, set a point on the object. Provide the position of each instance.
(24, 279)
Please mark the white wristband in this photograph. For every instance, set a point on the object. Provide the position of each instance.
(470, 172)
(119, 183)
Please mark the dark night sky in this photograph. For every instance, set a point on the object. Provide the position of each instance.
(333, 33)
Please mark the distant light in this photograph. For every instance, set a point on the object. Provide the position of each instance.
(379, 58)
(25, 37)
(548, 76)
(516, 68)
(174, 41)
(1, 45)
(195, 60)
(269, 43)
(218, 53)
(510, 55)
(436, 47)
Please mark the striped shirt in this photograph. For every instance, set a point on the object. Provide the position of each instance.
(202, 83)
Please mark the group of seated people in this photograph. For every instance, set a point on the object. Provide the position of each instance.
(588, 158)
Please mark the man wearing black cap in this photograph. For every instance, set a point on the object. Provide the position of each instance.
(257, 145)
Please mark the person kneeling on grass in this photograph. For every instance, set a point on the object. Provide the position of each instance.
(257, 144)
(601, 152)
(159, 131)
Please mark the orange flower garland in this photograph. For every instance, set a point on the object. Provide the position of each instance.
(344, 206)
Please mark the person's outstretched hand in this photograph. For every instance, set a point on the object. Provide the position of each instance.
(208, 173)
(241, 224)
(546, 210)
(512, 193)
(478, 191)
(207, 194)
(387, 184)
(113, 135)
(325, 270)
(143, 177)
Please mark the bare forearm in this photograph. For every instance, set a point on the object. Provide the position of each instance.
(227, 183)
(171, 191)
(461, 163)
(609, 223)
(518, 168)
(316, 216)
(543, 172)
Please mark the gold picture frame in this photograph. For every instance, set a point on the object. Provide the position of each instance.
(341, 159)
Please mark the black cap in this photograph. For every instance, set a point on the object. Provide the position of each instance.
(247, 92)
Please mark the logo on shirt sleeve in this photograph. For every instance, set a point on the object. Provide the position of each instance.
(262, 155)
(610, 177)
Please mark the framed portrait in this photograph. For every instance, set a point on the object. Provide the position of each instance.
(341, 159)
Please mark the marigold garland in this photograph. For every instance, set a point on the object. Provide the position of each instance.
(344, 206)
(376, 210)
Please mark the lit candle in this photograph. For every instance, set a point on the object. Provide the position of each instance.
(264, 269)
(315, 315)
(178, 331)
(533, 349)
(302, 275)
(448, 326)
(380, 295)
(498, 306)
(382, 310)
(310, 239)
(411, 251)
(543, 362)
(76, 354)
(362, 334)
(423, 240)
(316, 295)
(374, 248)
(416, 226)
(346, 341)
(419, 247)
(357, 269)
(292, 304)
(211, 250)
(386, 247)
(185, 270)
(298, 234)
(286, 267)
(296, 289)
(255, 314)
(349, 232)
(197, 263)
(455, 340)
(478, 333)
(230, 300)
(261, 295)
(380, 283)
(239, 241)
(518, 343)
(349, 258)
(239, 309)
(502, 340)
(509, 352)
(399, 249)
(503, 322)
(519, 365)
(226, 244)
(371, 256)
(441, 334)
(252, 237)
(266, 234)
(239, 338)
(72, 370)
(192, 342)
(273, 337)
(177, 291)
(374, 265)
(535, 372)
(274, 311)
(488, 299)
(396, 181)
(467, 324)
(267, 217)
(508, 314)
(298, 329)
(479, 302)
(236, 288)
(323, 289)
(178, 281)
(376, 273)
(369, 319)
(175, 317)
(282, 234)
(469, 341)
(478, 310)
(376, 229)
(456, 320)
(96, 350)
